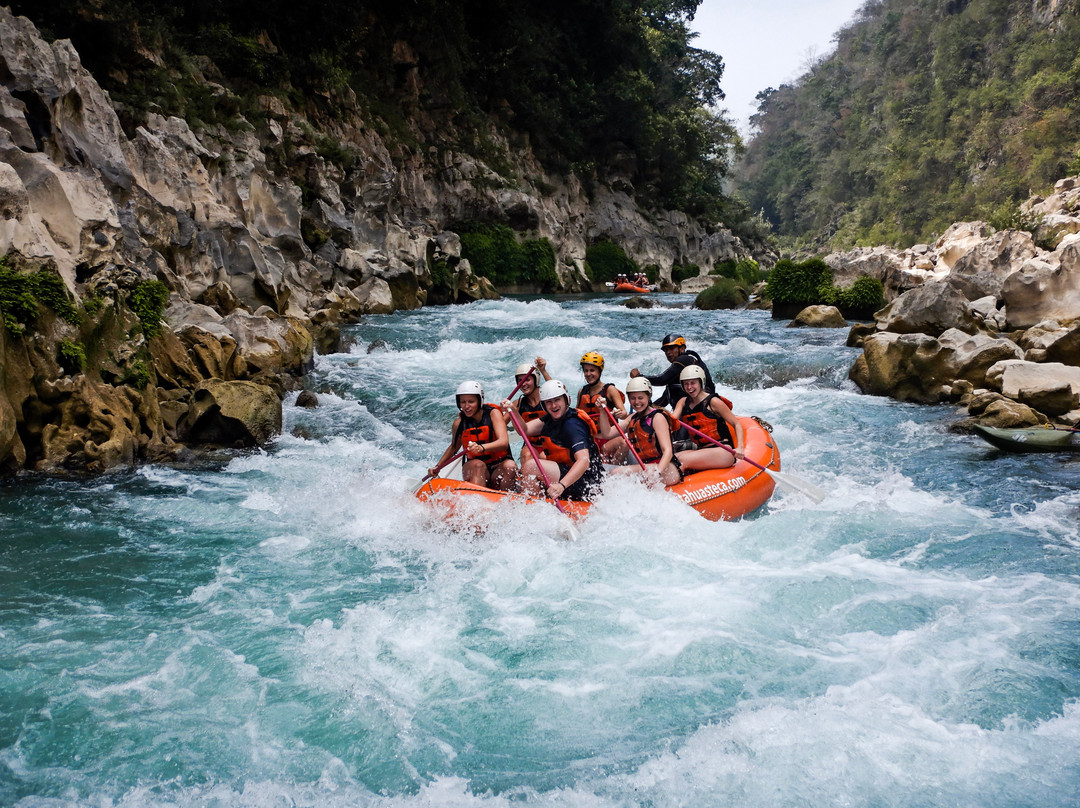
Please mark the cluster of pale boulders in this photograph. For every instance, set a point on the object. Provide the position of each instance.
(990, 320)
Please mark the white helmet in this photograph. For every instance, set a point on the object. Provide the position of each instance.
(527, 368)
(470, 388)
(639, 384)
(692, 372)
(553, 388)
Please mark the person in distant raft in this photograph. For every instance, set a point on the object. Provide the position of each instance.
(480, 430)
(711, 414)
(674, 348)
(571, 457)
(528, 405)
(595, 393)
(649, 430)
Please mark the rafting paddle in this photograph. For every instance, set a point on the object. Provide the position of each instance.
(438, 469)
(629, 445)
(520, 427)
(788, 481)
(459, 454)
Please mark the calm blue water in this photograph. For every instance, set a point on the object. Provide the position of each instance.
(294, 629)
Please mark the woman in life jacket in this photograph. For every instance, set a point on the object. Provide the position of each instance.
(649, 430)
(480, 430)
(528, 404)
(711, 414)
(571, 457)
(595, 393)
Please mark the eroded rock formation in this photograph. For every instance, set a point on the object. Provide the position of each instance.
(265, 244)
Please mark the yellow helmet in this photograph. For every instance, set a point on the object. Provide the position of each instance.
(673, 339)
(593, 358)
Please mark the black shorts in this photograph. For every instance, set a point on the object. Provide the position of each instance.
(585, 488)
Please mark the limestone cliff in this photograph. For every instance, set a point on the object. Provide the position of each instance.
(264, 243)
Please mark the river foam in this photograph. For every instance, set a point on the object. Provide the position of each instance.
(295, 628)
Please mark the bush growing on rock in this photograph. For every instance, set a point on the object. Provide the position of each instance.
(494, 253)
(139, 374)
(71, 356)
(746, 271)
(725, 293)
(22, 292)
(147, 302)
(865, 296)
(681, 273)
(537, 263)
(605, 260)
(793, 286)
(804, 283)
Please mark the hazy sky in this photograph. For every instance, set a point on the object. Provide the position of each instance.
(766, 43)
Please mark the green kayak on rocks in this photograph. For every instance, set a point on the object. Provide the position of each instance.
(1030, 439)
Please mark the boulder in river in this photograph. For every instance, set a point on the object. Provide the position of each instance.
(918, 367)
(819, 317)
(232, 413)
(1046, 287)
(931, 309)
(1037, 383)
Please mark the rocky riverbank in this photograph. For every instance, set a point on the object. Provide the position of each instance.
(987, 319)
(265, 237)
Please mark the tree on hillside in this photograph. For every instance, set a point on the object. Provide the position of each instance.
(927, 113)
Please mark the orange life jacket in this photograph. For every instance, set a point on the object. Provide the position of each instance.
(704, 419)
(484, 432)
(559, 453)
(530, 413)
(590, 404)
(642, 435)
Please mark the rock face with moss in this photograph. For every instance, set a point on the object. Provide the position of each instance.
(180, 257)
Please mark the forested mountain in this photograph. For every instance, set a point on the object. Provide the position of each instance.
(587, 82)
(929, 112)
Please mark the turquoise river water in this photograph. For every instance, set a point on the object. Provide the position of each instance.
(293, 628)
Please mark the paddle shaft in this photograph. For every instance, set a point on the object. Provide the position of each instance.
(520, 427)
(629, 445)
(441, 466)
(786, 480)
(723, 446)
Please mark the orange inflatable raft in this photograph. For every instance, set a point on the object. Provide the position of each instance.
(631, 288)
(716, 494)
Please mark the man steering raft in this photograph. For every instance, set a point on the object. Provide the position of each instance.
(571, 463)
(480, 431)
(674, 348)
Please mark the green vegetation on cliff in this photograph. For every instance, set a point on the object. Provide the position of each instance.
(21, 293)
(793, 285)
(595, 85)
(929, 112)
(495, 253)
